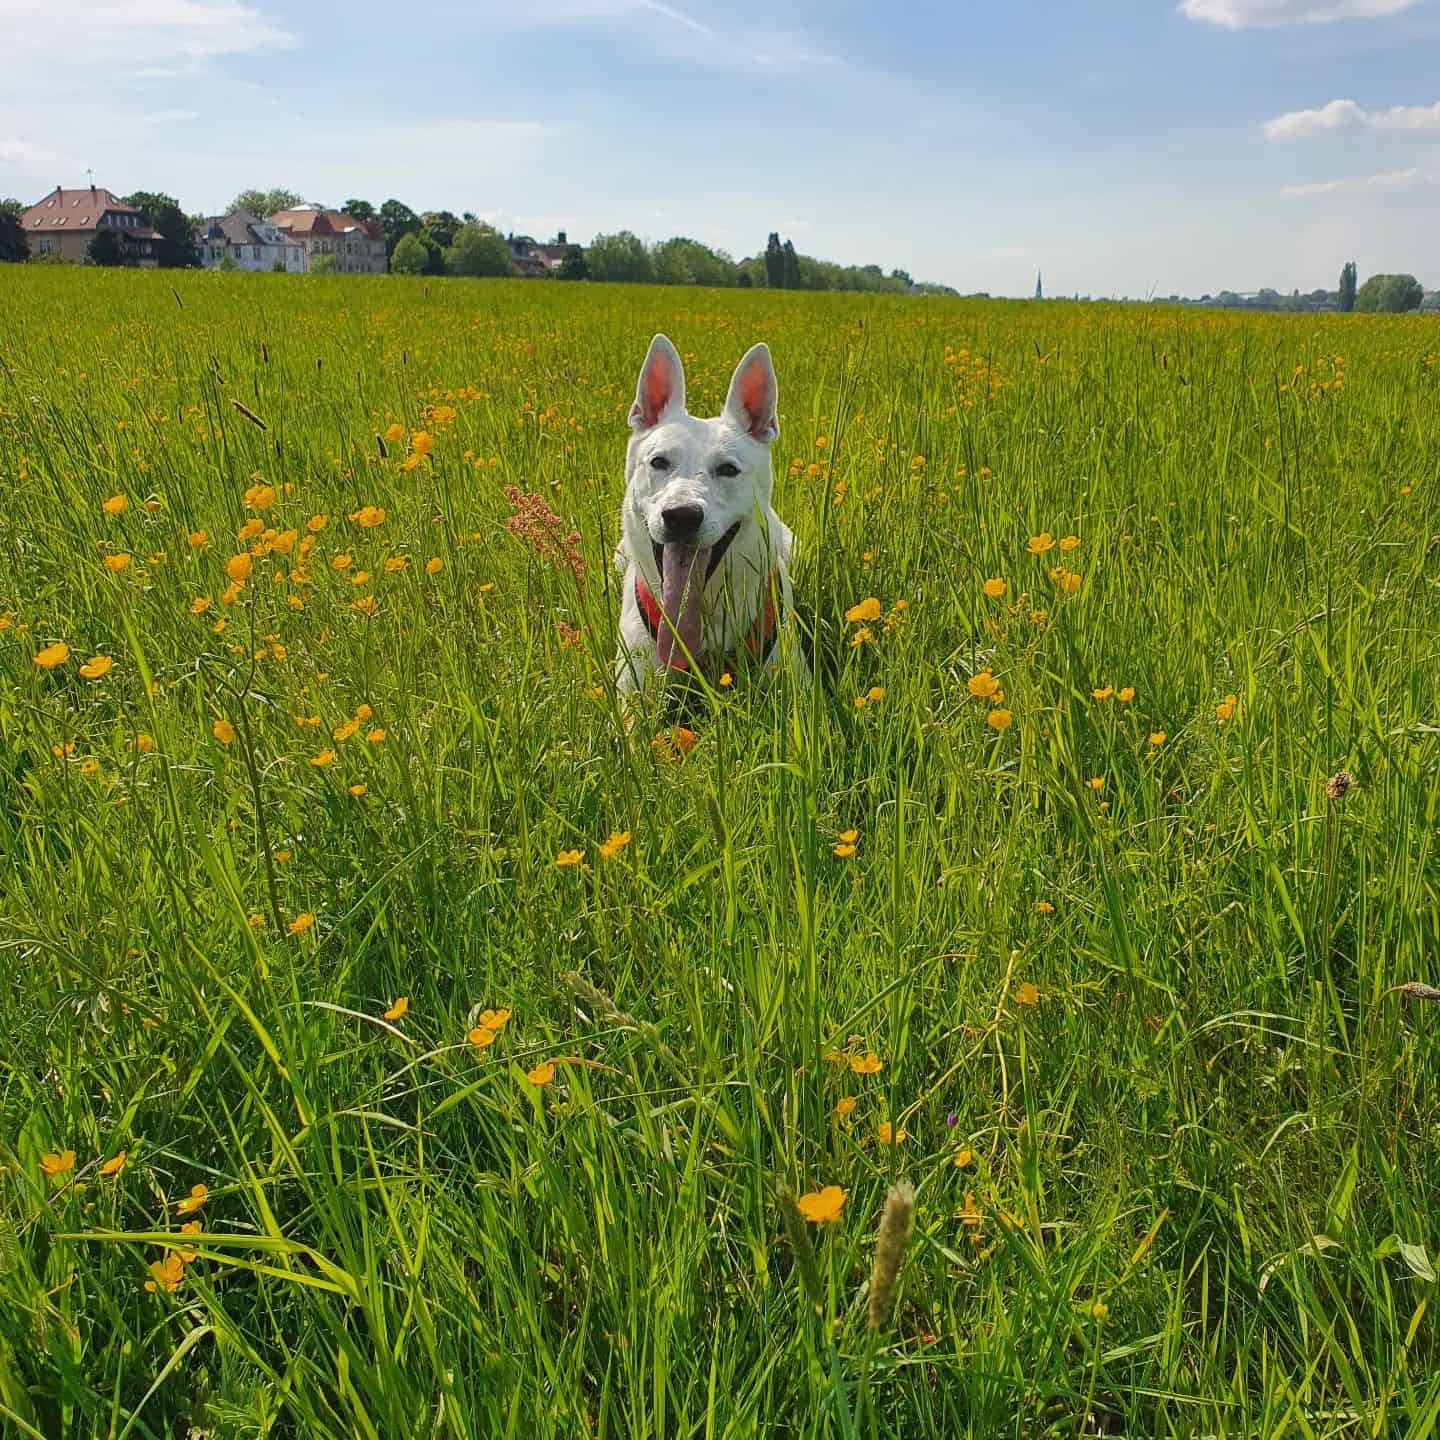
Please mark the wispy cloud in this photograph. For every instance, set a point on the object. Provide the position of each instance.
(1279, 14)
(670, 30)
(164, 36)
(1389, 180)
(1347, 115)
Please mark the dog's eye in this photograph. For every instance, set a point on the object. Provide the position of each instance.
(728, 468)
(660, 463)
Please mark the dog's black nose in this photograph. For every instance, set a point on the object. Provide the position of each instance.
(682, 522)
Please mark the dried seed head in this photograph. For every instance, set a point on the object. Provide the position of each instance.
(896, 1222)
(1418, 990)
(1339, 785)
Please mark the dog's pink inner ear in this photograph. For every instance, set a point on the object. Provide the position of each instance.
(657, 390)
(757, 398)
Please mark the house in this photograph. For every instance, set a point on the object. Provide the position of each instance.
(246, 242)
(356, 247)
(66, 221)
(533, 260)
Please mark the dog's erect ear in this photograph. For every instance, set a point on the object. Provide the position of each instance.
(753, 395)
(661, 389)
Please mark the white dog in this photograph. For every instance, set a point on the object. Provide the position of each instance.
(707, 583)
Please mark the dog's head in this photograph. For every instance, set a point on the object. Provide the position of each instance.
(693, 485)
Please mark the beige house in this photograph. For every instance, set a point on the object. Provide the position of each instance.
(355, 247)
(66, 221)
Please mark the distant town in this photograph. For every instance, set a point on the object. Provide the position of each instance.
(278, 231)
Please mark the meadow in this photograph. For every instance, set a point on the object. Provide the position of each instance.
(398, 1042)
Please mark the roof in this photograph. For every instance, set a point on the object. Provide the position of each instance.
(78, 210)
(234, 229)
(312, 220)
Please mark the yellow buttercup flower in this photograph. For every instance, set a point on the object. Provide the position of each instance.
(97, 667)
(193, 1201)
(117, 563)
(1041, 543)
(398, 1009)
(867, 1064)
(223, 731)
(821, 1207)
(542, 1074)
(610, 848)
(994, 588)
(301, 923)
(867, 609)
(58, 1164)
(52, 655)
(114, 1165)
(116, 505)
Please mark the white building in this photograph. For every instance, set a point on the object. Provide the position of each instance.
(250, 242)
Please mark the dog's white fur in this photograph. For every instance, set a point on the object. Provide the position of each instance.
(691, 453)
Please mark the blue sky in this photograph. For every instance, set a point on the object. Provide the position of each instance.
(1122, 148)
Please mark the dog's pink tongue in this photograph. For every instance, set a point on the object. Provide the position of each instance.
(680, 594)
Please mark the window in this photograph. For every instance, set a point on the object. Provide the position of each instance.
(47, 247)
(254, 252)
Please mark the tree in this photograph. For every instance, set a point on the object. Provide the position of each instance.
(1389, 294)
(1403, 294)
(442, 226)
(621, 256)
(229, 262)
(410, 257)
(265, 202)
(176, 246)
(774, 263)
(791, 267)
(478, 249)
(360, 209)
(1349, 279)
(682, 261)
(574, 266)
(14, 242)
(324, 264)
(397, 220)
(106, 248)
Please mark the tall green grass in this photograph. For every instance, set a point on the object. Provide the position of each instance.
(1158, 1015)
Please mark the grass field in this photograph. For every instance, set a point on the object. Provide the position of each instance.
(1105, 970)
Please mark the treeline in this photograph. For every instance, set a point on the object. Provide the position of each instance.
(623, 256)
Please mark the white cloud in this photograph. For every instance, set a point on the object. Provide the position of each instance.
(1406, 117)
(1347, 115)
(667, 29)
(161, 35)
(1389, 180)
(1276, 14)
(1300, 124)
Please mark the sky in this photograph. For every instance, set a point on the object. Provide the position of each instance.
(1121, 147)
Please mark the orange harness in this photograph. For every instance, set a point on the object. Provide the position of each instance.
(758, 643)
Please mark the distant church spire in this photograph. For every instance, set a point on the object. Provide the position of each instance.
(1039, 292)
